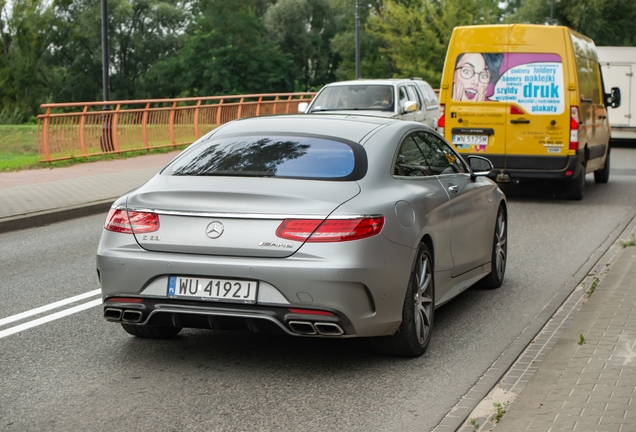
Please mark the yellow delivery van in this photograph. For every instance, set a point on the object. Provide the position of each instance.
(530, 98)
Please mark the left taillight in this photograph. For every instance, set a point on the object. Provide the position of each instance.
(330, 230)
(131, 222)
(441, 122)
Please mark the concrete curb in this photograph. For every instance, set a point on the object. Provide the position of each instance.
(25, 221)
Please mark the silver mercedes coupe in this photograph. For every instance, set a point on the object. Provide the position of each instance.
(316, 226)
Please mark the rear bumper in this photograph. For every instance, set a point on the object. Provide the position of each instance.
(560, 168)
(220, 316)
(363, 289)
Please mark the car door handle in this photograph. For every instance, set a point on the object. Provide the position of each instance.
(453, 188)
(519, 121)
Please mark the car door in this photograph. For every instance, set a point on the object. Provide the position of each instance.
(471, 233)
(430, 203)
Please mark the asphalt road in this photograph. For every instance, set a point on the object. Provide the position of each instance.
(79, 372)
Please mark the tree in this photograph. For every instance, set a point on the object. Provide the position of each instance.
(416, 33)
(374, 63)
(141, 34)
(608, 22)
(303, 29)
(227, 52)
(24, 75)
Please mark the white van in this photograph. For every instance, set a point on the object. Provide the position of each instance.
(618, 65)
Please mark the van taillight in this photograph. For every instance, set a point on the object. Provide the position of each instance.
(574, 128)
(515, 110)
(131, 222)
(442, 120)
(330, 230)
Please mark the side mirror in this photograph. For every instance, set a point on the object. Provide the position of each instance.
(479, 166)
(302, 107)
(409, 106)
(616, 97)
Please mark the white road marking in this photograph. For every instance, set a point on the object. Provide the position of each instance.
(51, 317)
(48, 307)
(48, 318)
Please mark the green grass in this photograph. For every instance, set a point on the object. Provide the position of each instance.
(19, 150)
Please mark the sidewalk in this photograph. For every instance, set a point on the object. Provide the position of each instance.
(43, 196)
(579, 371)
(591, 386)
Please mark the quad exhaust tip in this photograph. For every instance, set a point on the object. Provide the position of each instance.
(302, 327)
(133, 316)
(114, 314)
(328, 329)
(321, 328)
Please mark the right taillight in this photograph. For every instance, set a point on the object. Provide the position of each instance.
(574, 128)
(131, 222)
(330, 230)
(441, 122)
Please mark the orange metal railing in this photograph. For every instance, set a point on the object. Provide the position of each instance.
(71, 130)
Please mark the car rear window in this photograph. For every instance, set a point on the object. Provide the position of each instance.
(354, 97)
(272, 156)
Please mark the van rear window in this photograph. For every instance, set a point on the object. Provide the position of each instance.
(534, 81)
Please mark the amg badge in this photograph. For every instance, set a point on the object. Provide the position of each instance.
(283, 245)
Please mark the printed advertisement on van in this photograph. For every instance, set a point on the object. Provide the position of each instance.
(532, 82)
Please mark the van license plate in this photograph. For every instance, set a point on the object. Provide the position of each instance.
(222, 290)
(470, 139)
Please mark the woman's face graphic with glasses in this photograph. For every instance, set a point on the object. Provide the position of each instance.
(471, 78)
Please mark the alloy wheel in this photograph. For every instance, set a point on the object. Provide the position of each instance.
(423, 298)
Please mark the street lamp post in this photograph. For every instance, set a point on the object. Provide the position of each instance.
(357, 39)
(106, 140)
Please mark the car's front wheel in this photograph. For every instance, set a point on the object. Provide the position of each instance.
(151, 332)
(412, 337)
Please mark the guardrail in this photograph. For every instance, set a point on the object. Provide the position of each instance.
(72, 130)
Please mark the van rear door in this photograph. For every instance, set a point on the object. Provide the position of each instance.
(477, 124)
(538, 123)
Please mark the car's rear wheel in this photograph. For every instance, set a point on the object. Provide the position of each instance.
(412, 337)
(499, 254)
(151, 332)
(602, 175)
(575, 187)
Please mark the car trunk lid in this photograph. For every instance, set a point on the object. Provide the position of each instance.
(232, 216)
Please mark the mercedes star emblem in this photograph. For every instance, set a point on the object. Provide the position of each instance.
(214, 229)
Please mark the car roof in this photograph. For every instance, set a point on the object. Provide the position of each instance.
(350, 127)
(385, 81)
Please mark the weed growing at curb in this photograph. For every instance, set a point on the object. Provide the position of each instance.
(581, 339)
(474, 424)
(592, 287)
(630, 242)
(500, 410)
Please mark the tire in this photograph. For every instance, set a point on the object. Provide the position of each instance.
(499, 254)
(151, 332)
(574, 188)
(412, 337)
(602, 175)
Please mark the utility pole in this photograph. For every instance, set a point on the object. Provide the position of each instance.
(551, 12)
(106, 140)
(105, 77)
(357, 39)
